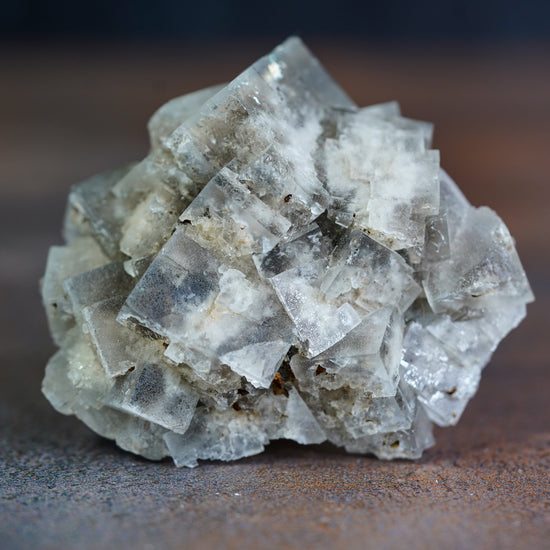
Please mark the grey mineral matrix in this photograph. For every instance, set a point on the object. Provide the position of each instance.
(283, 264)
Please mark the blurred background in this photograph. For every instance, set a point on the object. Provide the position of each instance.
(179, 20)
(78, 82)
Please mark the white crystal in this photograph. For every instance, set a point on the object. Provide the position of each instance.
(282, 264)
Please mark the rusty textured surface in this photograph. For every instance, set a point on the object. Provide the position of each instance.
(69, 112)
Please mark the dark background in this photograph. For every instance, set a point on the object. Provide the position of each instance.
(78, 81)
(423, 20)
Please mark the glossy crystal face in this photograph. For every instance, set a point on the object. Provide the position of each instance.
(283, 264)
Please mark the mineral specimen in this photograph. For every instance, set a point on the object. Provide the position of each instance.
(283, 264)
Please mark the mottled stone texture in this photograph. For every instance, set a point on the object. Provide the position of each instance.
(283, 264)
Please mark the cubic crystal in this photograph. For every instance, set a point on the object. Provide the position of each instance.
(283, 264)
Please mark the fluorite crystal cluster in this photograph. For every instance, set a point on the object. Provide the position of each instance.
(283, 264)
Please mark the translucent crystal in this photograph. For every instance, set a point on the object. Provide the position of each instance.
(282, 265)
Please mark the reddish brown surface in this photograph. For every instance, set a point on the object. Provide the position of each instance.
(67, 113)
